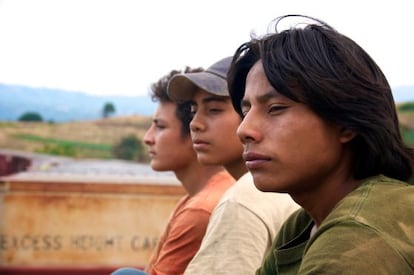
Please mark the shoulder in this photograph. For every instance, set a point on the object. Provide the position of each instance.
(355, 247)
(208, 198)
(371, 225)
(245, 192)
(367, 205)
(266, 205)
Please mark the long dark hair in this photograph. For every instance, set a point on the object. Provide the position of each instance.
(331, 74)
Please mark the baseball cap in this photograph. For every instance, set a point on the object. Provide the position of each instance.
(213, 80)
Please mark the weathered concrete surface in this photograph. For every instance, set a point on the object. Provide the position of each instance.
(53, 216)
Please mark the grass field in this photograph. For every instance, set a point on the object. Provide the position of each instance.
(95, 139)
(81, 139)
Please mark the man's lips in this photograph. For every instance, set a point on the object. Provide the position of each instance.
(255, 160)
(199, 144)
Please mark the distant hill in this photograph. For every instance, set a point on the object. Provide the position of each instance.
(62, 106)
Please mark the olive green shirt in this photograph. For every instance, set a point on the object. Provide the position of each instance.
(370, 231)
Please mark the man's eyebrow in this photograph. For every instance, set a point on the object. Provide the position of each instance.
(267, 96)
(157, 120)
(261, 98)
(211, 99)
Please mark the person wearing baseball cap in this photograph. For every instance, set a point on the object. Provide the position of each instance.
(213, 80)
(246, 220)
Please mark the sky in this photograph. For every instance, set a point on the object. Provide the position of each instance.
(120, 47)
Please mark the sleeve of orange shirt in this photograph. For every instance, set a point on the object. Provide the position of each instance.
(184, 234)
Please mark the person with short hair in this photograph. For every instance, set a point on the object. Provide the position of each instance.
(320, 123)
(171, 149)
(246, 220)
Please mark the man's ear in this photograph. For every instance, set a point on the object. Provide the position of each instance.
(346, 135)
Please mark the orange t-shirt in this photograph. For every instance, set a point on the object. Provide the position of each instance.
(187, 226)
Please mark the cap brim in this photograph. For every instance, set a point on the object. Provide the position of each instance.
(183, 86)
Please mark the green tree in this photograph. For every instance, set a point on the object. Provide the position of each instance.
(31, 117)
(406, 107)
(129, 148)
(108, 109)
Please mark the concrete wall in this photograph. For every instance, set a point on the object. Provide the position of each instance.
(81, 223)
